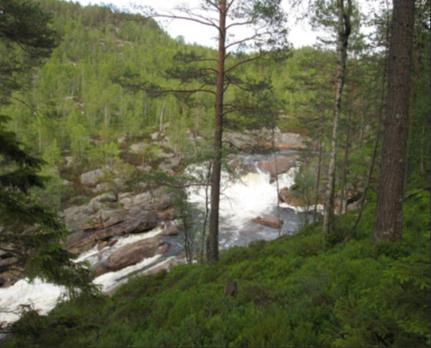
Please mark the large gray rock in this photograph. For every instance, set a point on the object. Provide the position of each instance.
(116, 225)
(110, 215)
(239, 141)
(278, 165)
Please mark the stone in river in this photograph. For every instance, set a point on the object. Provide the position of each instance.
(269, 221)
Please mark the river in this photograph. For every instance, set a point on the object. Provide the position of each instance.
(243, 198)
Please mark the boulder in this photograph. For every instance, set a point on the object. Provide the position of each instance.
(239, 141)
(171, 229)
(284, 195)
(7, 262)
(122, 140)
(155, 136)
(288, 196)
(269, 221)
(9, 278)
(96, 221)
(131, 254)
(138, 148)
(75, 217)
(278, 165)
(108, 197)
(168, 214)
(68, 161)
(92, 178)
(115, 225)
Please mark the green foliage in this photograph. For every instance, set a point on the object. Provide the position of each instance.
(29, 231)
(292, 292)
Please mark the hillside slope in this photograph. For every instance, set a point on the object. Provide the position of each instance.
(291, 292)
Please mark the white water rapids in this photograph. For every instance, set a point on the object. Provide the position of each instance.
(242, 200)
(245, 198)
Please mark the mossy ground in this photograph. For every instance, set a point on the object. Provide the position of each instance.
(296, 291)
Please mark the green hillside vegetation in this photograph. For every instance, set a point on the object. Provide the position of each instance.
(291, 292)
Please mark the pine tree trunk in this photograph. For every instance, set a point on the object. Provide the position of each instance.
(212, 244)
(388, 224)
(342, 44)
(429, 146)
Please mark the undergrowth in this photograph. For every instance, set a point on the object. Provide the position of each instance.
(296, 291)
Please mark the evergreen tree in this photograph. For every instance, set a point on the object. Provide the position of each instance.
(28, 231)
(394, 149)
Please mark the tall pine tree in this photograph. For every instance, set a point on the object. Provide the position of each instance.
(29, 233)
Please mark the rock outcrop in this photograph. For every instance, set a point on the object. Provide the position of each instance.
(102, 219)
(130, 255)
(289, 196)
(277, 165)
(92, 178)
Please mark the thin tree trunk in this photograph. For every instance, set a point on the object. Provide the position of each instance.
(206, 213)
(368, 180)
(429, 149)
(342, 44)
(343, 195)
(319, 171)
(212, 245)
(277, 183)
(388, 224)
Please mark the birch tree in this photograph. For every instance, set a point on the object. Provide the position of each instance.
(336, 14)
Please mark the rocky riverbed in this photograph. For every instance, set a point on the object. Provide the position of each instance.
(123, 233)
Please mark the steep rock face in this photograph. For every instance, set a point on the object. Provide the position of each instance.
(132, 213)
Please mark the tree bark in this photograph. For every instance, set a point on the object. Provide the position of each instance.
(212, 243)
(343, 196)
(388, 224)
(344, 29)
(319, 169)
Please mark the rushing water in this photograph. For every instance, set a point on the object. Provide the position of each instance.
(243, 199)
(246, 198)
